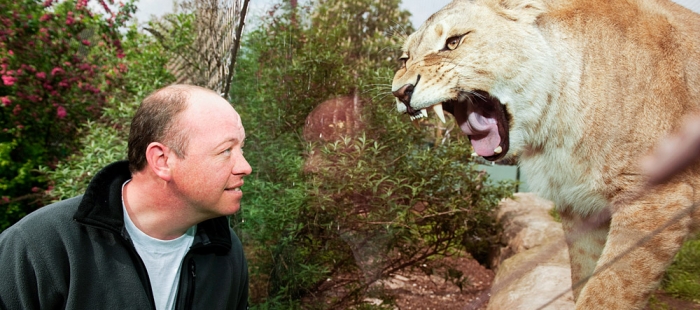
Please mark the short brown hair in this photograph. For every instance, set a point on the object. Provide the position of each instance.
(155, 121)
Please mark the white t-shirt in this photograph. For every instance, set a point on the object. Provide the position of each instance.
(163, 260)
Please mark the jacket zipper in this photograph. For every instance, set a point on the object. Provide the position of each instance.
(189, 300)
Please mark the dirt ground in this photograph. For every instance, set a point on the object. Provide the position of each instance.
(415, 290)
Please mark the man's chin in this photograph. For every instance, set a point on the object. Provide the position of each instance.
(230, 207)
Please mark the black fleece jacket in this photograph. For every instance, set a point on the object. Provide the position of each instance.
(76, 254)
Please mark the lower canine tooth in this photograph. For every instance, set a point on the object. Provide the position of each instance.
(498, 150)
(424, 112)
(475, 154)
(415, 124)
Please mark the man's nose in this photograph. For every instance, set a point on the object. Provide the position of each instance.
(242, 166)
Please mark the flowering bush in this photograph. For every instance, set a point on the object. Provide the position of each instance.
(59, 60)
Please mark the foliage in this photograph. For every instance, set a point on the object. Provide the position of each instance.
(682, 278)
(58, 62)
(373, 219)
(204, 41)
(388, 198)
(105, 141)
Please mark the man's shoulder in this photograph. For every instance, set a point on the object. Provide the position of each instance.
(235, 241)
(236, 251)
(47, 220)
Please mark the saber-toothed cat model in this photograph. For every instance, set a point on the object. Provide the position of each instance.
(580, 90)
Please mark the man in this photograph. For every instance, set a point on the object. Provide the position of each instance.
(150, 233)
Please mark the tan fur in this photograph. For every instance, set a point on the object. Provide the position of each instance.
(591, 86)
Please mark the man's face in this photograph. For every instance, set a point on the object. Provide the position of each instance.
(211, 173)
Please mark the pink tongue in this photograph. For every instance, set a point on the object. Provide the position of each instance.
(483, 133)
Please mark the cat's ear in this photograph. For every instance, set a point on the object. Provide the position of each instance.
(526, 11)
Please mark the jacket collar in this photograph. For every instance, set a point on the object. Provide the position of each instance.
(101, 207)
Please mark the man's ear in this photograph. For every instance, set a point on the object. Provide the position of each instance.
(157, 157)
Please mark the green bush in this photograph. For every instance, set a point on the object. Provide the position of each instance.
(390, 198)
(59, 60)
(105, 141)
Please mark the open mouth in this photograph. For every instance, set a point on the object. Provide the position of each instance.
(235, 188)
(482, 118)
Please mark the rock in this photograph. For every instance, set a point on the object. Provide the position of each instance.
(332, 120)
(532, 267)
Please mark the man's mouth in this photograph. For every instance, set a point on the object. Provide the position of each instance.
(235, 188)
(481, 117)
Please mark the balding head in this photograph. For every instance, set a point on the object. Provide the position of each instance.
(156, 121)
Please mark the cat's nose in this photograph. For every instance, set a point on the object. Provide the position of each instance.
(404, 94)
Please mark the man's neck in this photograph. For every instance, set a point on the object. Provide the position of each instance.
(157, 215)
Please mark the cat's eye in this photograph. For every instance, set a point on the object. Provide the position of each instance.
(403, 59)
(452, 42)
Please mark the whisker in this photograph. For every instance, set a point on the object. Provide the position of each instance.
(475, 94)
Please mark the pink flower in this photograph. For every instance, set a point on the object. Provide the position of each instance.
(46, 17)
(104, 5)
(57, 70)
(41, 75)
(5, 101)
(61, 112)
(34, 98)
(81, 4)
(48, 3)
(86, 42)
(10, 52)
(69, 20)
(9, 80)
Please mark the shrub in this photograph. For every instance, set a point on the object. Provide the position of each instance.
(105, 141)
(57, 63)
(389, 198)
